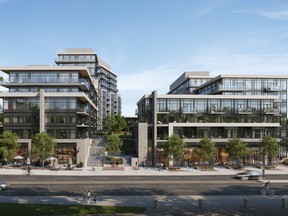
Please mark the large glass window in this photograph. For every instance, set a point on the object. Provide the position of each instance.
(187, 106)
(43, 77)
(161, 105)
(201, 105)
(173, 105)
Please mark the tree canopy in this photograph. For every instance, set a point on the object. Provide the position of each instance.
(114, 123)
(174, 147)
(206, 149)
(237, 149)
(43, 146)
(113, 143)
(8, 145)
(269, 147)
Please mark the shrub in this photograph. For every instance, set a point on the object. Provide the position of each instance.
(117, 160)
(285, 162)
(80, 164)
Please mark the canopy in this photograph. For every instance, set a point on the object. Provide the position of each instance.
(18, 157)
(28, 162)
(56, 162)
(51, 158)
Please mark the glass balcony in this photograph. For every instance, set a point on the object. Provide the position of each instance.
(58, 60)
(247, 111)
(271, 111)
(273, 89)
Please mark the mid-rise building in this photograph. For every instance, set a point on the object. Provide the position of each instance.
(110, 100)
(223, 108)
(61, 101)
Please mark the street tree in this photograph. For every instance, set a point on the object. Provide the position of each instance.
(43, 146)
(206, 149)
(174, 148)
(113, 143)
(237, 150)
(269, 147)
(8, 146)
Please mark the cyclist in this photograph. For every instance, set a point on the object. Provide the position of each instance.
(267, 185)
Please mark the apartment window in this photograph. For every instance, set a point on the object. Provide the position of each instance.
(173, 104)
(201, 105)
(161, 105)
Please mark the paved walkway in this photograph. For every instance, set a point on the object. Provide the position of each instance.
(168, 205)
(129, 171)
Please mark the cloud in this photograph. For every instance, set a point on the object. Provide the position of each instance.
(283, 15)
(210, 7)
(280, 15)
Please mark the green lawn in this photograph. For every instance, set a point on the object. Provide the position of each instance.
(17, 209)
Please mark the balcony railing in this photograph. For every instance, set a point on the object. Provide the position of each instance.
(245, 111)
(271, 111)
(74, 60)
(273, 89)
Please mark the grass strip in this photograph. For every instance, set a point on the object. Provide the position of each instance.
(24, 209)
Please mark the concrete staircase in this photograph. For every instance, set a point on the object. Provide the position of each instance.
(96, 152)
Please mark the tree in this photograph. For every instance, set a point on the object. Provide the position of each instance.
(174, 148)
(269, 147)
(114, 123)
(43, 146)
(113, 143)
(8, 145)
(237, 149)
(206, 149)
(121, 124)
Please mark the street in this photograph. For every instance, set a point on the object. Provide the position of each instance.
(137, 185)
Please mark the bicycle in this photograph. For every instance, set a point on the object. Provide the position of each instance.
(267, 191)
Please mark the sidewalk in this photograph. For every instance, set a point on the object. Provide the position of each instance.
(129, 171)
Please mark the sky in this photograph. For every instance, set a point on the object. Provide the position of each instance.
(150, 43)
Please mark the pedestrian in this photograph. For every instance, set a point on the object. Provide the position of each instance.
(93, 166)
(95, 199)
(28, 170)
(88, 197)
(84, 196)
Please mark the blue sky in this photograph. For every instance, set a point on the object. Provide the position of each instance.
(150, 43)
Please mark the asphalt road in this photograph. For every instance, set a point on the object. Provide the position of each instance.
(136, 185)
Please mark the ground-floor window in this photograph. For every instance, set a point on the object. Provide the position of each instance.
(66, 151)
